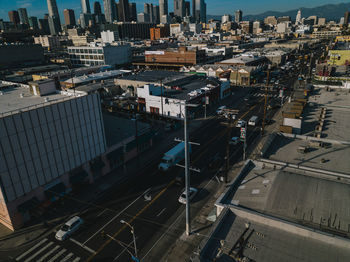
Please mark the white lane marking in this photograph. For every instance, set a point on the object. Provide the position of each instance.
(76, 259)
(181, 215)
(57, 255)
(48, 253)
(161, 212)
(82, 245)
(98, 231)
(104, 210)
(38, 252)
(31, 249)
(67, 257)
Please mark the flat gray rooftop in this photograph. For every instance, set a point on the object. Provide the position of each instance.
(285, 149)
(11, 102)
(268, 244)
(296, 196)
(155, 76)
(337, 121)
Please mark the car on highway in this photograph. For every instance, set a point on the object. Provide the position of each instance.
(69, 228)
(234, 140)
(192, 193)
(240, 123)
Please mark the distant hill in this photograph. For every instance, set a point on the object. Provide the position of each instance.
(330, 12)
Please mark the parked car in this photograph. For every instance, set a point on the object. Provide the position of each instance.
(69, 228)
(241, 123)
(234, 140)
(193, 192)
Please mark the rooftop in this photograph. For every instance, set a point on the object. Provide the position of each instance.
(15, 99)
(264, 243)
(155, 76)
(242, 59)
(97, 76)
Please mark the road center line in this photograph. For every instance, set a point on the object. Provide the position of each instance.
(132, 219)
(110, 221)
(161, 212)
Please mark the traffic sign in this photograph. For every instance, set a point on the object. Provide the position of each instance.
(243, 133)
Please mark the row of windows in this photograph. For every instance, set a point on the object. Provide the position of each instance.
(80, 62)
(85, 51)
(91, 57)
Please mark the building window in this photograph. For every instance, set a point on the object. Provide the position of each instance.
(100, 51)
(154, 110)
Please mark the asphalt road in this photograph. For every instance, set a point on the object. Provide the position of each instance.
(150, 202)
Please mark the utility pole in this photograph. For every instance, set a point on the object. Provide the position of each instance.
(205, 105)
(187, 177)
(265, 105)
(228, 148)
(161, 95)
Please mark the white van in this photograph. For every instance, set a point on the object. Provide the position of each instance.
(253, 121)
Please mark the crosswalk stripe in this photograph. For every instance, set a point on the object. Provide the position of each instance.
(31, 249)
(67, 257)
(38, 252)
(48, 253)
(76, 259)
(57, 255)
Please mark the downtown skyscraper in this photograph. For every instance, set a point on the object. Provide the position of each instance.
(123, 11)
(110, 10)
(85, 7)
(54, 17)
(163, 7)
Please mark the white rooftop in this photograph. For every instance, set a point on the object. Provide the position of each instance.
(97, 76)
(14, 99)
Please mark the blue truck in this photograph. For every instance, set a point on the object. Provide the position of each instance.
(173, 156)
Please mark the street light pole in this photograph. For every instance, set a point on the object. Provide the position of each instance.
(133, 234)
(187, 177)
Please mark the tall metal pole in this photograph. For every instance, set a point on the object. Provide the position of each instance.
(205, 105)
(134, 239)
(228, 148)
(161, 95)
(133, 234)
(245, 145)
(265, 105)
(187, 177)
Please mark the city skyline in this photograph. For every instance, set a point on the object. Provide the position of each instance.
(39, 7)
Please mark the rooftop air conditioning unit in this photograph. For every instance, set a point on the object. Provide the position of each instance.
(46, 99)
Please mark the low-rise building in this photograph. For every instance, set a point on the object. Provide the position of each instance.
(182, 55)
(30, 54)
(48, 41)
(100, 54)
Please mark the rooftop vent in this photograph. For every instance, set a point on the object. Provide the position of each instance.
(46, 99)
(21, 95)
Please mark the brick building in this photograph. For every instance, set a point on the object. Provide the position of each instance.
(159, 32)
(182, 55)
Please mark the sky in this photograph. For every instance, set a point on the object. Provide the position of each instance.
(214, 7)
